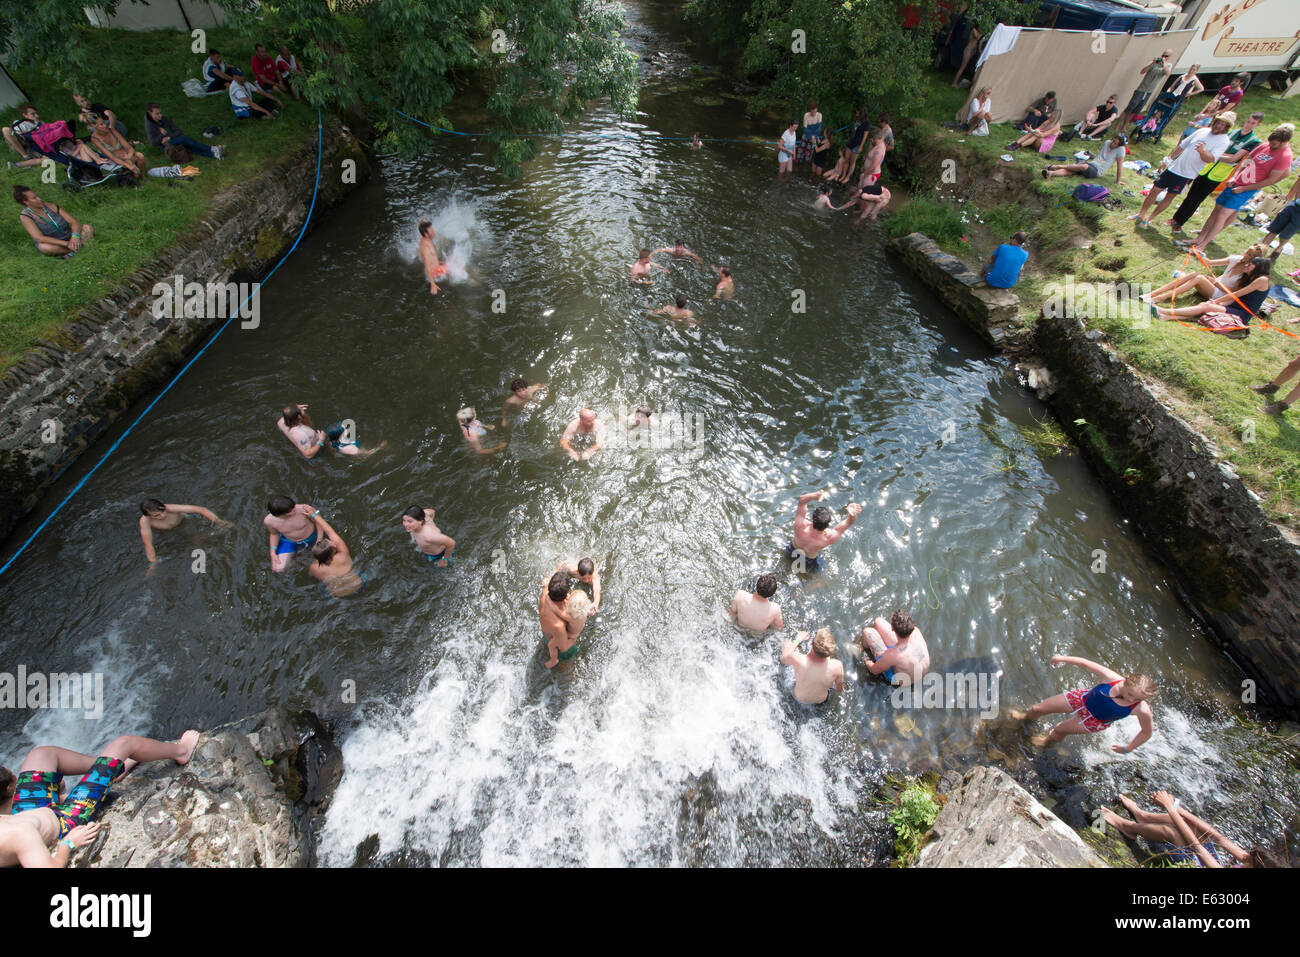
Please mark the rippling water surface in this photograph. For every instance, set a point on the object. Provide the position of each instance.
(670, 740)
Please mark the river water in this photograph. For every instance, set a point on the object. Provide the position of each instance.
(671, 739)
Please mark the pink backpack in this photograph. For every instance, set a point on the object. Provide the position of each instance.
(48, 135)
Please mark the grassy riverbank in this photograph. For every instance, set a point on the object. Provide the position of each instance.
(1205, 378)
(132, 226)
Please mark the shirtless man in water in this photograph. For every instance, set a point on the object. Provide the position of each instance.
(521, 393)
(811, 536)
(679, 251)
(293, 528)
(332, 563)
(433, 267)
(563, 616)
(297, 428)
(898, 647)
(678, 311)
(641, 269)
(817, 672)
(32, 815)
(755, 610)
(156, 516)
(725, 288)
(585, 424)
(429, 539)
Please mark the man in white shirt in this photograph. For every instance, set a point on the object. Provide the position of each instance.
(246, 105)
(1182, 165)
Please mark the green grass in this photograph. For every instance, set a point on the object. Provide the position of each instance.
(937, 219)
(1207, 377)
(132, 226)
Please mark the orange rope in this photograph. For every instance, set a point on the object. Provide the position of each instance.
(1264, 323)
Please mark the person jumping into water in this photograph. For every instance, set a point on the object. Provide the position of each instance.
(1096, 709)
(156, 516)
(297, 428)
(434, 269)
(755, 610)
(587, 425)
(812, 535)
(897, 648)
(429, 539)
(817, 672)
(292, 527)
(34, 816)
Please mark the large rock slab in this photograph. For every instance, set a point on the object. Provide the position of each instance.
(247, 798)
(991, 821)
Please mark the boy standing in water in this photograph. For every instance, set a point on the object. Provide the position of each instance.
(1096, 709)
(725, 288)
(756, 611)
(811, 536)
(817, 672)
(155, 516)
(429, 539)
(521, 393)
(433, 267)
(292, 527)
(641, 268)
(33, 816)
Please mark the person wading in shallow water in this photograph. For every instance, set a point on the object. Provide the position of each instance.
(812, 535)
(563, 615)
(33, 815)
(817, 672)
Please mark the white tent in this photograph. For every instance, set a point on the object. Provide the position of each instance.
(11, 94)
(159, 15)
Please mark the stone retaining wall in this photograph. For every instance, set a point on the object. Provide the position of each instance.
(61, 397)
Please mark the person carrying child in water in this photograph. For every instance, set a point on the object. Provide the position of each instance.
(1095, 709)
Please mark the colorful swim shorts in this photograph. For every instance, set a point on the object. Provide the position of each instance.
(36, 789)
(1075, 699)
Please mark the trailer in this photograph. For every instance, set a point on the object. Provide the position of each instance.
(1232, 36)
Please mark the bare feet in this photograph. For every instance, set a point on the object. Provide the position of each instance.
(1129, 805)
(1041, 740)
(1017, 714)
(188, 742)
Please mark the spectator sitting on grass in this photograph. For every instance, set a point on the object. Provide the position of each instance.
(246, 101)
(162, 133)
(977, 118)
(1206, 286)
(215, 75)
(1003, 268)
(1115, 149)
(264, 71)
(1043, 137)
(108, 141)
(1099, 119)
(1230, 312)
(13, 135)
(1039, 112)
(86, 110)
(290, 73)
(52, 229)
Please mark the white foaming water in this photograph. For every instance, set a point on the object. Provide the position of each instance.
(456, 229)
(587, 768)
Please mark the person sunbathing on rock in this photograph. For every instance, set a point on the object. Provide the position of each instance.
(39, 817)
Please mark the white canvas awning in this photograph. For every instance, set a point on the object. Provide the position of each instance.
(158, 15)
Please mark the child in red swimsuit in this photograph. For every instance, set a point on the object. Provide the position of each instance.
(1096, 708)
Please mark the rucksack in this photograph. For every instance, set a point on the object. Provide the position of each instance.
(1091, 193)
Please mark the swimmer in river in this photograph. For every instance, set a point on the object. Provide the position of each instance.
(586, 425)
(155, 516)
(585, 571)
(725, 288)
(817, 672)
(823, 200)
(332, 563)
(34, 816)
(898, 648)
(641, 268)
(292, 527)
(473, 430)
(433, 267)
(642, 417)
(678, 311)
(1093, 710)
(679, 251)
(812, 535)
(429, 539)
(696, 142)
(340, 441)
(755, 610)
(297, 428)
(560, 626)
(521, 393)
(1182, 836)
